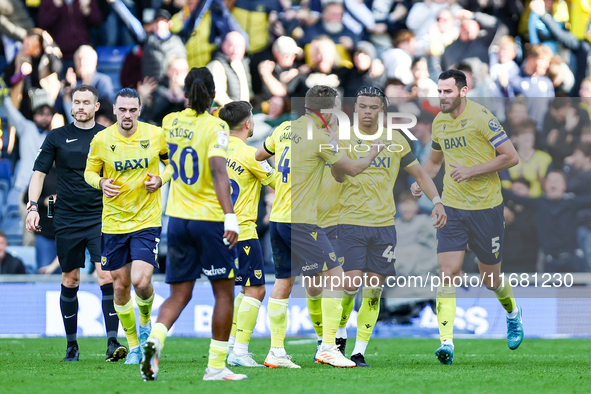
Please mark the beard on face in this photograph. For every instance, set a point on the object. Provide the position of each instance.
(82, 117)
(453, 104)
(126, 128)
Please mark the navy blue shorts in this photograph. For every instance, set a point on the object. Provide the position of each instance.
(482, 230)
(196, 246)
(369, 249)
(250, 263)
(120, 249)
(300, 248)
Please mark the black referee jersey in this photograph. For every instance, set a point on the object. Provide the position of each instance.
(78, 204)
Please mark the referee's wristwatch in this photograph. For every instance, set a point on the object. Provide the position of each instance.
(32, 204)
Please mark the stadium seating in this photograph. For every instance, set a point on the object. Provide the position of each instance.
(110, 60)
(12, 226)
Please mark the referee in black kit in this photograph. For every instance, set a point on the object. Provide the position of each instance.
(77, 218)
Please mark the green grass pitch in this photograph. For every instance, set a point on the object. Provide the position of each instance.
(398, 365)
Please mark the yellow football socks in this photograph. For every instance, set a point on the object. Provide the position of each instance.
(237, 302)
(368, 313)
(247, 319)
(315, 311)
(446, 311)
(277, 310)
(127, 318)
(505, 295)
(331, 315)
(348, 303)
(159, 331)
(145, 307)
(218, 350)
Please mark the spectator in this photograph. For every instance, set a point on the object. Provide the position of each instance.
(442, 33)
(398, 60)
(532, 82)
(31, 136)
(105, 116)
(324, 69)
(385, 17)
(367, 70)
(560, 75)
(8, 263)
(562, 127)
(503, 65)
(538, 31)
(69, 23)
(253, 16)
(231, 71)
(521, 245)
(516, 115)
(331, 25)
(290, 18)
(533, 164)
(35, 66)
(281, 78)
(14, 23)
(556, 213)
(579, 183)
(85, 62)
(423, 15)
(158, 44)
(424, 85)
(478, 33)
(202, 25)
(166, 99)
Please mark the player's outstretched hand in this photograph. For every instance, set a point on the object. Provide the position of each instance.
(109, 188)
(154, 183)
(416, 190)
(459, 173)
(438, 214)
(33, 221)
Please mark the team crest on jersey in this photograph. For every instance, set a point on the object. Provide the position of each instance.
(247, 250)
(258, 274)
(113, 148)
(145, 144)
(175, 121)
(464, 122)
(494, 125)
(333, 256)
(314, 235)
(103, 260)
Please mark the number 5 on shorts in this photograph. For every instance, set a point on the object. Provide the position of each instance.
(495, 244)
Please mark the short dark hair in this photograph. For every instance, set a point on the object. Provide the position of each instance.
(106, 110)
(402, 36)
(86, 88)
(2, 235)
(526, 126)
(129, 92)
(585, 147)
(235, 113)
(320, 97)
(199, 89)
(457, 75)
(405, 196)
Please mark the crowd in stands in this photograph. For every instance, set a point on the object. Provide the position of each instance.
(525, 60)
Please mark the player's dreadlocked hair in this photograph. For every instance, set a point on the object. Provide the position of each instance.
(372, 91)
(200, 89)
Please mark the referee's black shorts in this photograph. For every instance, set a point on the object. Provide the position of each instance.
(71, 244)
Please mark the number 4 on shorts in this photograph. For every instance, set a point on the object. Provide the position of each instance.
(389, 253)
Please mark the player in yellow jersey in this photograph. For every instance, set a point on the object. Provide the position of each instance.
(299, 245)
(366, 231)
(246, 177)
(203, 229)
(475, 147)
(128, 155)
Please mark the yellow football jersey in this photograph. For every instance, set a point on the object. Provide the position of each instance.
(328, 199)
(469, 140)
(246, 177)
(128, 161)
(368, 198)
(300, 163)
(192, 139)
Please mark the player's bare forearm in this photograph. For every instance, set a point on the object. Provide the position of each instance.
(36, 185)
(262, 153)
(424, 180)
(221, 183)
(433, 163)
